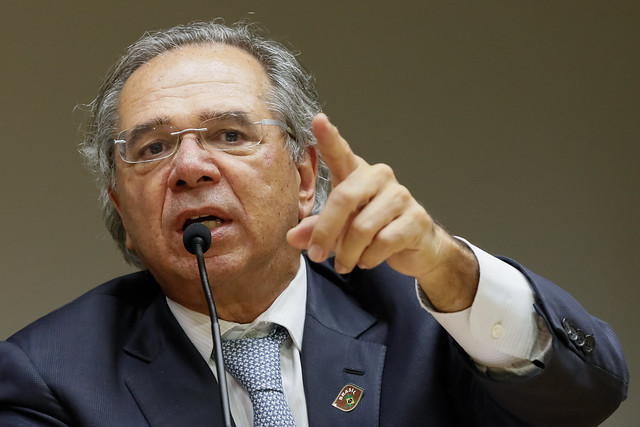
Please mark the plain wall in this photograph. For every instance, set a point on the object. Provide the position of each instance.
(515, 123)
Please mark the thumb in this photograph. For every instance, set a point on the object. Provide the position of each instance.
(299, 236)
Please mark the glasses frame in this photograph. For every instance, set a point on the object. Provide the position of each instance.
(267, 122)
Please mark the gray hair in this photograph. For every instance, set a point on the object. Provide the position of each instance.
(293, 100)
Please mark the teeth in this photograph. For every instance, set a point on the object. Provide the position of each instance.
(211, 224)
(208, 220)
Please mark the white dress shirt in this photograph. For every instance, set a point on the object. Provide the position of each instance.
(288, 310)
(500, 331)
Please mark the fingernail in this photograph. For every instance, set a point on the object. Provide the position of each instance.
(363, 266)
(340, 269)
(315, 253)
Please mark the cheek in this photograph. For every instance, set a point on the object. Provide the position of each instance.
(281, 177)
(273, 187)
(140, 202)
(270, 160)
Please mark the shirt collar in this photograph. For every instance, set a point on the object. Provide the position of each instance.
(288, 310)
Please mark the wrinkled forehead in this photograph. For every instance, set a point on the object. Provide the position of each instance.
(182, 83)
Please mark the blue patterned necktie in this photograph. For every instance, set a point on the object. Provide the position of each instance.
(255, 363)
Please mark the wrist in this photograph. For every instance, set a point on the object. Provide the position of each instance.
(452, 285)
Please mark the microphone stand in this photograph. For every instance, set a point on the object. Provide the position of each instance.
(215, 332)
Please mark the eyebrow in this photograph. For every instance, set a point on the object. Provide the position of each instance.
(238, 116)
(143, 127)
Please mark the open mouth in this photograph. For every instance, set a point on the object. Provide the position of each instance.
(209, 220)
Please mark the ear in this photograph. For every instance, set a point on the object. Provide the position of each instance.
(113, 196)
(308, 173)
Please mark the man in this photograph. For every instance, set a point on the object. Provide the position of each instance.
(405, 326)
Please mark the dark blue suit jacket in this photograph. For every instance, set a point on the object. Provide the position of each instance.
(117, 357)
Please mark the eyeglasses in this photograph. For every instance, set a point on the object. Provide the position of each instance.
(230, 132)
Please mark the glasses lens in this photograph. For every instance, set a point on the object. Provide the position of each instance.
(147, 144)
(232, 133)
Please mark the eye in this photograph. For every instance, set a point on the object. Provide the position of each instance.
(227, 137)
(231, 133)
(153, 150)
(231, 136)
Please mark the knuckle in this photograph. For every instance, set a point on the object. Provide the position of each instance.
(422, 219)
(384, 170)
(359, 229)
(342, 198)
(403, 194)
(384, 239)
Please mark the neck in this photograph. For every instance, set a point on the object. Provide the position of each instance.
(239, 298)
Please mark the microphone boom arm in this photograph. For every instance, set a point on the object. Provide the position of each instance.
(197, 243)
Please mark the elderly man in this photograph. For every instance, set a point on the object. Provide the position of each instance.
(404, 325)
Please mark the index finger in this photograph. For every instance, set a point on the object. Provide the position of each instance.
(334, 149)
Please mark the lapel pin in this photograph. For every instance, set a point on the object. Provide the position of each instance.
(348, 398)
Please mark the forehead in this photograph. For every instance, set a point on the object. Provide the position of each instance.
(184, 82)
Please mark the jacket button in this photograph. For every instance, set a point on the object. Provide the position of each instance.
(570, 329)
(589, 344)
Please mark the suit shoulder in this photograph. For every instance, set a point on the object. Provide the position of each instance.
(112, 302)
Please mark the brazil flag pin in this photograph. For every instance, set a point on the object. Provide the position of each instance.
(348, 398)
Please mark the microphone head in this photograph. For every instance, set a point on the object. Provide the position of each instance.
(196, 234)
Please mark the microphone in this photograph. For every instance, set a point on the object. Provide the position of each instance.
(196, 234)
(197, 240)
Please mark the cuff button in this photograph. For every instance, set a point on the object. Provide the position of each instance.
(497, 330)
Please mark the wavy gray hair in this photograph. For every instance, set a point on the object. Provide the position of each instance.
(293, 100)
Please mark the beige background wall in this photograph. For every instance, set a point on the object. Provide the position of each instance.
(515, 123)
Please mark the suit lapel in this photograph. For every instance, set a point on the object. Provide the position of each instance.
(168, 378)
(173, 385)
(333, 356)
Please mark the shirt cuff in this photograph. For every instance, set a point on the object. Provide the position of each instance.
(500, 329)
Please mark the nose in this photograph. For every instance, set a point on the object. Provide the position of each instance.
(192, 164)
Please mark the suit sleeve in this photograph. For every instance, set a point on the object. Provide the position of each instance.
(25, 399)
(583, 382)
(501, 330)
